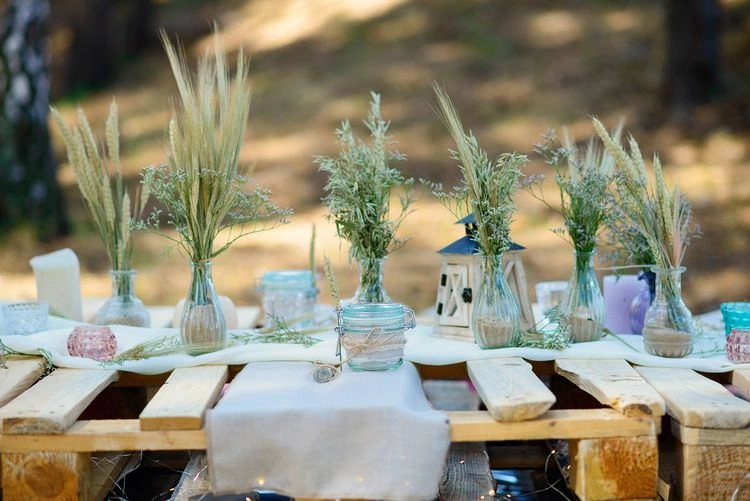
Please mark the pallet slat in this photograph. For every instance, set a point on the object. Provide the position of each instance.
(17, 377)
(696, 401)
(708, 436)
(741, 379)
(106, 435)
(55, 402)
(614, 383)
(510, 389)
(181, 403)
(479, 426)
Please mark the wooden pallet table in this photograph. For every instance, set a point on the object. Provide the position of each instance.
(711, 428)
(46, 448)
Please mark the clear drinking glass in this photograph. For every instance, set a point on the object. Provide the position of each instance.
(290, 296)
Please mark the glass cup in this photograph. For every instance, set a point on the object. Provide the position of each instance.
(550, 294)
(22, 319)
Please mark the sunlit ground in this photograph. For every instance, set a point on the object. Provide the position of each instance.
(513, 70)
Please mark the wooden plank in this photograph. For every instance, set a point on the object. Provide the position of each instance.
(711, 472)
(61, 476)
(614, 468)
(509, 388)
(614, 383)
(181, 403)
(106, 435)
(711, 436)
(105, 468)
(466, 426)
(17, 377)
(467, 474)
(55, 402)
(741, 379)
(696, 401)
(479, 426)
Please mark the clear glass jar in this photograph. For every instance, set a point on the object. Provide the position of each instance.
(202, 328)
(582, 306)
(641, 302)
(123, 308)
(668, 328)
(372, 334)
(370, 289)
(290, 296)
(496, 321)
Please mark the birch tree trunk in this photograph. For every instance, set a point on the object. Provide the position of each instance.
(29, 191)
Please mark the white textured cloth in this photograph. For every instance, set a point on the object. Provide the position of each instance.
(421, 347)
(366, 435)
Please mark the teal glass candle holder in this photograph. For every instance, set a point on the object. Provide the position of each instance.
(736, 316)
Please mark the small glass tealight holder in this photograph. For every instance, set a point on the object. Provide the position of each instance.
(372, 334)
(22, 319)
(738, 346)
(290, 296)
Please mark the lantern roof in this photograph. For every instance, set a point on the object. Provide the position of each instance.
(470, 219)
(467, 245)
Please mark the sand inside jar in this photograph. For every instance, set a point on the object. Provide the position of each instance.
(493, 332)
(584, 328)
(667, 342)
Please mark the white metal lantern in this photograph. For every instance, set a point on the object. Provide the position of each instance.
(460, 277)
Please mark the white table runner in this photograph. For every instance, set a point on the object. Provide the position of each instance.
(364, 435)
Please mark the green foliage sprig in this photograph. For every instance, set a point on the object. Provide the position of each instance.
(360, 182)
(486, 189)
(99, 177)
(202, 184)
(661, 214)
(584, 188)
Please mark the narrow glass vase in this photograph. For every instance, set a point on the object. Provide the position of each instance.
(371, 288)
(496, 322)
(582, 306)
(668, 327)
(203, 328)
(123, 308)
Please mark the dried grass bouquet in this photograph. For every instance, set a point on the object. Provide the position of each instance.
(202, 186)
(99, 177)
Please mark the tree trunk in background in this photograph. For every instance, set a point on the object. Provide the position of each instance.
(28, 184)
(693, 66)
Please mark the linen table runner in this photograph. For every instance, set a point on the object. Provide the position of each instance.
(367, 435)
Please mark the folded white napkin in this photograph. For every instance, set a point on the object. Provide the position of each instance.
(365, 435)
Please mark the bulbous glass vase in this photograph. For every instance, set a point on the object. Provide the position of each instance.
(495, 322)
(668, 328)
(123, 308)
(582, 306)
(371, 288)
(203, 328)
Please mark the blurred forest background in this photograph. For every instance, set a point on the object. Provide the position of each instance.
(677, 71)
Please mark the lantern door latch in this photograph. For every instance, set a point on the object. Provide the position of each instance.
(466, 295)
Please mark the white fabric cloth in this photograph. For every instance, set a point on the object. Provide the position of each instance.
(365, 435)
(421, 347)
